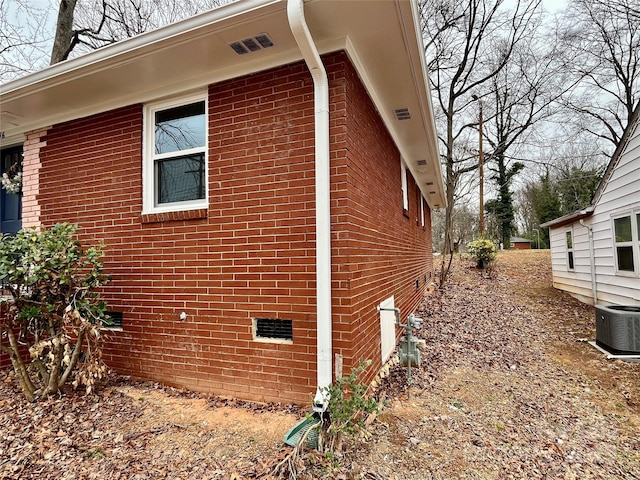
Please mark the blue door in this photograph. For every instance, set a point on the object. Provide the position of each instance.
(10, 203)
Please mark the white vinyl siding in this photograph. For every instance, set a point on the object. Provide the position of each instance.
(620, 197)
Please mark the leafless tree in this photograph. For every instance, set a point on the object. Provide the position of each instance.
(23, 38)
(524, 93)
(85, 25)
(463, 39)
(601, 40)
(28, 43)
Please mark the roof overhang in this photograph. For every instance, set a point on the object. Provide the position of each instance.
(569, 218)
(382, 38)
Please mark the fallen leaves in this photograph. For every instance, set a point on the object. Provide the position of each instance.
(506, 391)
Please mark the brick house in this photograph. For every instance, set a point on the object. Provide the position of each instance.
(262, 176)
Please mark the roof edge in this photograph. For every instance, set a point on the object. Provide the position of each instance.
(626, 136)
(569, 218)
(148, 38)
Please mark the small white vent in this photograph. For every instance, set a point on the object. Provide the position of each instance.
(402, 113)
(252, 44)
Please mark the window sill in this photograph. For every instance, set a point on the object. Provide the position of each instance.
(174, 216)
(626, 273)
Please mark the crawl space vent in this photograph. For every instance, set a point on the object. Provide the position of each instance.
(274, 329)
(252, 44)
(114, 320)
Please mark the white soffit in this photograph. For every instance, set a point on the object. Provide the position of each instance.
(379, 36)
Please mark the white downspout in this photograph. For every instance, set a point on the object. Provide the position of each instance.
(300, 30)
(594, 284)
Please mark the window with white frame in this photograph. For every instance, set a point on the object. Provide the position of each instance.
(405, 190)
(569, 237)
(422, 211)
(626, 233)
(175, 161)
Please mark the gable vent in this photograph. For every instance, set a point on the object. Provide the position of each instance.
(402, 113)
(421, 163)
(252, 44)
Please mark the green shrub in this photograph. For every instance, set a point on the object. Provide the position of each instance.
(348, 405)
(483, 251)
(53, 310)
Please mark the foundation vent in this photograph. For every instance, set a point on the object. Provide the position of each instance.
(114, 320)
(273, 329)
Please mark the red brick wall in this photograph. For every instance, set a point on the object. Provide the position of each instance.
(379, 249)
(252, 253)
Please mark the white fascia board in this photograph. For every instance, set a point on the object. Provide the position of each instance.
(78, 67)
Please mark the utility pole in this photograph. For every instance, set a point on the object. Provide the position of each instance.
(480, 168)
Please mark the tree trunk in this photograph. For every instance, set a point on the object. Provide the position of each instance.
(54, 376)
(64, 39)
(447, 250)
(75, 356)
(18, 365)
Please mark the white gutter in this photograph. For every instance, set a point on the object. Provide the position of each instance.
(77, 67)
(300, 30)
(594, 284)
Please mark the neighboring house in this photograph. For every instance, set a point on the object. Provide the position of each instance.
(520, 243)
(595, 252)
(260, 187)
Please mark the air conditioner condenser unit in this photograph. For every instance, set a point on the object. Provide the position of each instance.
(618, 329)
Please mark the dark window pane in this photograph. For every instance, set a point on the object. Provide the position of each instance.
(571, 261)
(569, 240)
(625, 258)
(623, 229)
(180, 128)
(180, 179)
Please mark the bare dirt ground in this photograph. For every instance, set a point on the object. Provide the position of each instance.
(508, 389)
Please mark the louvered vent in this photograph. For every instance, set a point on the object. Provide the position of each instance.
(274, 329)
(402, 113)
(252, 44)
(421, 163)
(114, 320)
